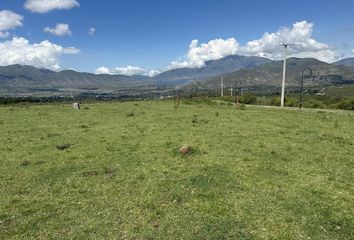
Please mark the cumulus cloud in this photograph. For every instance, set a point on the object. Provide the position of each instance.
(44, 6)
(91, 31)
(60, 30)
(127, 71)
(9, 20)
(152, 73)
(103, 70)
(43, 55)
(198, 54)
(300, 34)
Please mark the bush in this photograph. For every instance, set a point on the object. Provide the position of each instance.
(248, 98)
(275, 101)
(316, 104)
(291, 102)
(346, 104)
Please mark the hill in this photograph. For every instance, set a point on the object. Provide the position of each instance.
(345, 62)
(212, 68)
(18, 80)
(27, 79)
(270, 74)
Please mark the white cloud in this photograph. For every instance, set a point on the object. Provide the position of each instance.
(44, 6)
(198, 54)
(152, 73)
(127, 71)
(43, 55)
(91, 31)
(300, 34)
(9, 20)
(353, 51)
(60, 30)
(102, 70)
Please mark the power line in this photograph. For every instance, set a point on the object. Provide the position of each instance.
(336, 31)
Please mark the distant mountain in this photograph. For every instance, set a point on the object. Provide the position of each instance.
(212, 68)
(271, 74)
(345, 62)
(19, 80)
(22, 79)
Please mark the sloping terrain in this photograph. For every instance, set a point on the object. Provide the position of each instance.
(271, 74)
(212, 68)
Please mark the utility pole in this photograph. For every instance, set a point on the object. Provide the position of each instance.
(285, 45)
(231, 90)
(222, 86)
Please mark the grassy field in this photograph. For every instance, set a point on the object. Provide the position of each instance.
(253, 174)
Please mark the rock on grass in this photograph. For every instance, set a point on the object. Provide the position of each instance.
(184, 150)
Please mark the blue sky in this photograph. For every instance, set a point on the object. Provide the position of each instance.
(152, 34)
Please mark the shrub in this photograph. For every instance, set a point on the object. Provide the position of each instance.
(291, 102)
(346, 104)
(242, 107)
(248, 98)
(275, 101)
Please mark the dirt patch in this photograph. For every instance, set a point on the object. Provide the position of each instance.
(63, 146)
(109, 173)
(90, 174)
(39, 163)
(25, 164)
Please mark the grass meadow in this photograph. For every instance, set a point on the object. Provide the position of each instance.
(113, 171)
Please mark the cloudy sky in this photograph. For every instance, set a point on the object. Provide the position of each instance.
(146, 37)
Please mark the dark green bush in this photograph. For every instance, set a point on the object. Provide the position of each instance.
(248, 98)
(275, 101)
(346, 104)
(291, 102)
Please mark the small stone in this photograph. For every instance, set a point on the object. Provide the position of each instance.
(184, 150)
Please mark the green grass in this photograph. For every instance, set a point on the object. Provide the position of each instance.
(253, 174)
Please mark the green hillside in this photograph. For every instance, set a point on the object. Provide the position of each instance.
(270, 74)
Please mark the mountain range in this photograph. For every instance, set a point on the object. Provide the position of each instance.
(270, 74)
(19, 80)
(345, 62)
(224, 65)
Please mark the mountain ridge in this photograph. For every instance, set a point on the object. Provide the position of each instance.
(345, 62)
(23, 79)
(224, 65)
(271, 74)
